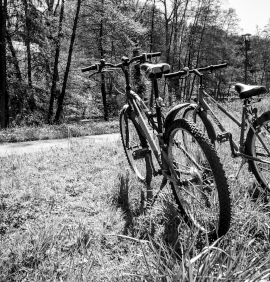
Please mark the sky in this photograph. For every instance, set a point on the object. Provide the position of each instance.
(251, 13)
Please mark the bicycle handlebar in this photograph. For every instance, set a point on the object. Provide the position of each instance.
(125, 62)
(178, 73)
(186, 71)
(212, 67)
(92, 67)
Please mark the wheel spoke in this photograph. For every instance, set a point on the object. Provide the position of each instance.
(187, 154)
(133, 141)
(198, 193)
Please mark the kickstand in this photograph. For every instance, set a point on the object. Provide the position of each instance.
(163, 183)
(240, 167)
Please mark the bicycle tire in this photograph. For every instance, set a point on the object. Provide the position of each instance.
(206, 178)
(202, 122)
(130, 133)
(255, 149)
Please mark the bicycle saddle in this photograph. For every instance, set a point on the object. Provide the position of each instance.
(155, 70)
(246, 91)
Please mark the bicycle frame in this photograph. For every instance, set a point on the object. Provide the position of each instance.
(134, 109)
(247, 119)
(138, 105)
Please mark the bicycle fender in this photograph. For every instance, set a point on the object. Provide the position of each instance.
(173, 112)
(209, 126)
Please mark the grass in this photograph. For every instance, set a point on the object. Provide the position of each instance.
(74, 215)
(27, 133)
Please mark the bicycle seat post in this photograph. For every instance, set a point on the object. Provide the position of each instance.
(158, 103)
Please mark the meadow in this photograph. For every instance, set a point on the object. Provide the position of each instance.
(76, 215)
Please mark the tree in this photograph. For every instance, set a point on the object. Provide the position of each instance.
(3, 86)
(108, 29)
(55, 77)
(62, 94)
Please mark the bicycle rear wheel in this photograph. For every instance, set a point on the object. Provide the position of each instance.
(203, 196)
(135, 146)
(255, 148)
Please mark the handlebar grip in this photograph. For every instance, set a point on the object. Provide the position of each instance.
(92, 67)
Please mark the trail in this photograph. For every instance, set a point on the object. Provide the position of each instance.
(19, 148)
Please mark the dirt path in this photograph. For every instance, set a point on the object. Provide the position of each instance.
(33, 146)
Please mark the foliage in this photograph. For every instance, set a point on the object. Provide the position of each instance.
(188, 33)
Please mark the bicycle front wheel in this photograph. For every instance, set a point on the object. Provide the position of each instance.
(258, 145)
(203, 196)
(135, 146)
(202, 122)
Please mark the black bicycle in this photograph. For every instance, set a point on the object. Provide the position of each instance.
(195, 175)
(254, 147)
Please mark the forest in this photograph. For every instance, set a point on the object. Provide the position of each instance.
(45, 43)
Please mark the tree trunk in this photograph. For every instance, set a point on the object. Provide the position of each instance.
(14, 56)
(183, 30)
(198, 57)
(31, 101)
(21, 91)
(3, 87)
(103, 88)
(152, 27)
(167, 38)
(62, 94)
(56, 61)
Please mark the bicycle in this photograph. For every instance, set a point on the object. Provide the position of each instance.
(255, 148)
(196, 177)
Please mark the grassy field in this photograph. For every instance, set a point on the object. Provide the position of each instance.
(74, 215)
(44, 132)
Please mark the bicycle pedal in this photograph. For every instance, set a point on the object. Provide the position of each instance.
(223, 137)
(140, 153)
